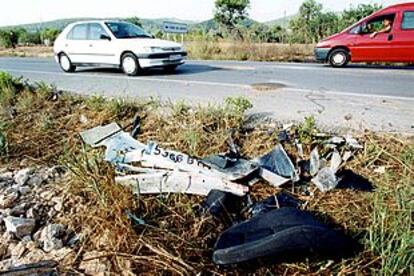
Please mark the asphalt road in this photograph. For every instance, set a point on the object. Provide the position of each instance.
(293, 90)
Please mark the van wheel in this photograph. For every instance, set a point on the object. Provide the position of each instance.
(66, 64)
(339, 58)
(130, 64)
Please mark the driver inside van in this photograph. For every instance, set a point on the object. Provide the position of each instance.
(387, 27)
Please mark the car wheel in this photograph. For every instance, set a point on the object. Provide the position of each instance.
(170, 68)
(339, 58)
(66, 64)
(130, 64)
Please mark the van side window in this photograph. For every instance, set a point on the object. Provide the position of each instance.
(408, 21)
(79, 32)
(377, 23)
(95, 31)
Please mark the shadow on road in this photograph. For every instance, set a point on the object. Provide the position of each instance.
(186, 69)
(376, 67)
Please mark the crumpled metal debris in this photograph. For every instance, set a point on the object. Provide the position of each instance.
(324, 177)
(168, 171)
(278, 162)
(160, 170)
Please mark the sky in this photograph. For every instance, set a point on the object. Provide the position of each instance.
(31, 11)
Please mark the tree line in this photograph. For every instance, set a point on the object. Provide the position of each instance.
(310, 25)
(231, 22)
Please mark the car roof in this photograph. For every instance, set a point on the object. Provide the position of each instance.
(402, 5)
(94, 21)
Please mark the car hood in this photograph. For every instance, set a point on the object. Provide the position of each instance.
(331, 37)
(150, 42)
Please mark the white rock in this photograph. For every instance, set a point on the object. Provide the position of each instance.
(47, 195)
(8, 200)
(58, 203)
(52, 231)
(50, 237)
(24, 190)
(23, 176)
(52, 245)
(35, 180)
(19, 226)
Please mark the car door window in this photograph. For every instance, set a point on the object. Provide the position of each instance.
(79, 32)
(377, 23)
(408, 21)
(96, 31)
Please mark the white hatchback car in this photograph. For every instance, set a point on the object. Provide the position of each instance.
(115, 43)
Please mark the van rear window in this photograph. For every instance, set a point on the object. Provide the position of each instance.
(408, 21)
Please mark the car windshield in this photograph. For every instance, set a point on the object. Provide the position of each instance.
(126, 30)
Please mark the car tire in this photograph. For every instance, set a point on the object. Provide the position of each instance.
(130, 64)
(66, 64)
(170, 68)
(339, 58)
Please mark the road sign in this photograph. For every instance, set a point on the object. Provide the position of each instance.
(174, 28)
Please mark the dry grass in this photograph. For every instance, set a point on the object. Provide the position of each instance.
(250, 51)
(27, 51)
(176, 239)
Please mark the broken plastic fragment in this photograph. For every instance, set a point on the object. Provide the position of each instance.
(117, 142)
(336, 161)
(278, 162)
(279, 235)
(353, 143)
(95, 136)
(179, 182)
(234, 169)
(325, 180)
(136, 220)
(315, 163)
(335, 140)
(273, 179)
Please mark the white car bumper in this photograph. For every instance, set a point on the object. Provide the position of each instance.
(162, 60)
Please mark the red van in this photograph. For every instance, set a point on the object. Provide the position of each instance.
(358, 43)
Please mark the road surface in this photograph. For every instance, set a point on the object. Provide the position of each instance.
(356, 97)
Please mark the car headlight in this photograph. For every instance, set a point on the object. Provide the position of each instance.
(152, 49)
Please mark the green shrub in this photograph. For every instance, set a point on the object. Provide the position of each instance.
(3, 139)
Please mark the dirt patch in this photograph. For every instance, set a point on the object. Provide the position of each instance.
(268, 86)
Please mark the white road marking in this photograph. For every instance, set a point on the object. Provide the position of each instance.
(138, 78)
(348, 70)
(349, 94)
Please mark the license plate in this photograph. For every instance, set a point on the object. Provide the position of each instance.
(175, 57)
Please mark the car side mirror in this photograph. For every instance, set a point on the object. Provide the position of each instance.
(105, 37)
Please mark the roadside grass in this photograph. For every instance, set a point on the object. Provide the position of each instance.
(222, 50)
(27, 51)
(176, 239)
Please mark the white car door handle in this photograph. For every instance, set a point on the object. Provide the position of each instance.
(90, 45)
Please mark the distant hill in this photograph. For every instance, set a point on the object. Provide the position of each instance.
(283, 22)
(150, 25)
